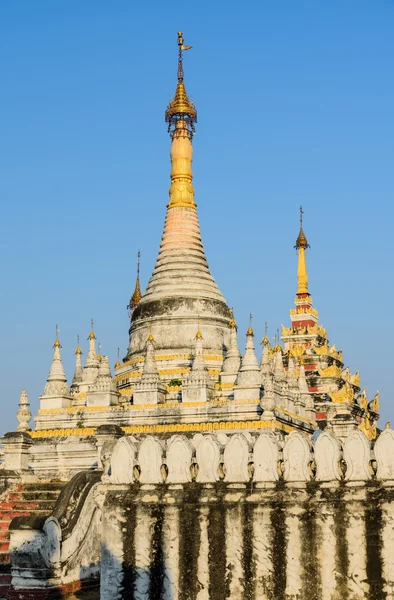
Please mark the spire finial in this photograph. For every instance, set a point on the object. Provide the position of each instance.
(198, 334)
(181, 48)
(99, 357)
(250, 329)
(57, 342)
(92, 335)
(181, 112)
(232, 320)
(78, 349)
(301, 245)
(118, 363)
(136, 296)
(265, 338)
(301, 241)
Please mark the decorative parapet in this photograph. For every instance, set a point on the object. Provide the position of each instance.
(241, 457)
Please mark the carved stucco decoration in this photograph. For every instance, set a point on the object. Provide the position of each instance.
(384, 453)
(179, 459)
(266, 455)
(357, 454)
(150, 460)
(123, 461)
(236, 459)
(297, 458)
(208, 460)
(328, 453)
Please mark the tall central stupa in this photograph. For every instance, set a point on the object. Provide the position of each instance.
(181, 294)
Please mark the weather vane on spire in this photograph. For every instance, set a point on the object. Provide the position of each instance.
(182, 48)
(181, 113)
(301, 241)
(57, 343)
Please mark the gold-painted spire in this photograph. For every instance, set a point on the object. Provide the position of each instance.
(99, 357)
(118, 363)
(250, 328)
(233, 323)
(91, 335)
(301, 245)
(57, 342)
(181, 108)
(78, 349)
(265, 338)
(136, 296)
(198, 334)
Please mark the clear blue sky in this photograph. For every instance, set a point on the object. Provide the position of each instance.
(295, 103)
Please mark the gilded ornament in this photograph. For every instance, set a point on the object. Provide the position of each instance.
(331, 371)
(375, 403)
(297, 350)
(286, 331)
(345, 394)
(368, 427)
(322, 350)
(355, 379)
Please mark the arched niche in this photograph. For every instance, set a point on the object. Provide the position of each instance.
(357, 454)
(384, 454)
(179, 460)
(266, 454)
(236, 459)
(123, 461)
(150, 460)
(208, 460)
(297, 457)
(328, 453)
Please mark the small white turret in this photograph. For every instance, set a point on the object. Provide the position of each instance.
(56, 391)
(265, 363)
(249, 380)
(291, 374)
(197, 386)
(23, 415)
(279, 371)
(150, 389)
(232, 360)
(103, 391)
(92, 363)
(78, 367)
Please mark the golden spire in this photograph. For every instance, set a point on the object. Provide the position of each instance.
(250, 328)
(99, 357)
(301, 245)
(78, 349)
(57, 342)
(136, 297)
(150, 337)
(198, 334)
(91, 335)
(118, 363)
(265, 338)
(181, 108)
(233, 323)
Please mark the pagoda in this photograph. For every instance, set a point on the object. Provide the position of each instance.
(197, 471)
(181, 292)
(335, 390)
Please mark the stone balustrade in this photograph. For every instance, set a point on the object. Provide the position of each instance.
(244, 457)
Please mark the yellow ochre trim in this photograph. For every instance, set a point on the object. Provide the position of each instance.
(169, 428)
